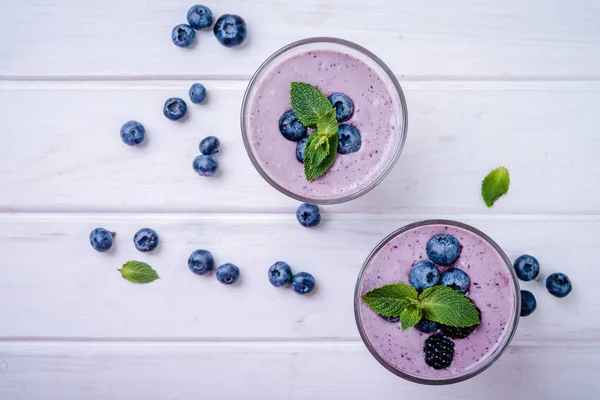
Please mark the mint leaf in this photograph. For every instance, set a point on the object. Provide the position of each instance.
(328, 125)
(317, 148)
(138, 272)
(494, 185)
(410, 316)
(449, 307)
(390, 300)
(309, 103)
(316, 161)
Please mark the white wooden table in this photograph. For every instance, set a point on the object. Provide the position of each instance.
(488, 83)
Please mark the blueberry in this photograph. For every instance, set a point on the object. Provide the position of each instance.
(527, 267)
(228, 274)
(344, 107)
(201, 262)
(205, 165)
(210, 145)
(230, 30)
(349, 139)
(101, 239)
(175, 108)
(558, 284)
(456, 279)
(145, 240)
(443, 249)
(308, 215)
(300, 149)
(197, 93)
(303, 283)
(424, 274)
(280, 274)
(200, 17)
(390, 319)
(427, 326)
(528, 303)
(183, 35)
(132, 133)
(290, 126)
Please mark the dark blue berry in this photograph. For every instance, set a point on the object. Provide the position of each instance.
(228, 274)
(303, 283)
(183, 35)
(201, 262)
(528, 303)
(145, 240)
(390, 319)
(439, 351)
(456, 279)
(200, 17)
(424, 274)
(427, 326)
(210, 145)
(197, 93)
(344, 107)
(290, 126)
(205, 165)
(443, 249)
(230, 30)
(101, 239)
(280, 274)
(558, 284)
(527, 267)
(300, 149)
(132, 133)
(308, 215)
(349, 139)
(175, 108)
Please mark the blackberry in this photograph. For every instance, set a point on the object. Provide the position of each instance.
(439, 351)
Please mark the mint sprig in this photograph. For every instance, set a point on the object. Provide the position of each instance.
(138, 272)
(438, 303)
(495, 185)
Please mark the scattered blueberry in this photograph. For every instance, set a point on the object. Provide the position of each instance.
(424, 274)
(344, 107)
(205, 165)
(230, 30)
(101, 239)
(228, 274)
(527, 267)
(145, 240)
(201, 262)
(210, 145)
(439, 351)
(175, 108)
(183, 35)
(558, 284)
(197, 93)
(528, 303)
(427, 326)
(456, 279)
(308, 215)
(349, 139)
(280, 274)
(290, 126)
(200, 17)
(132, 133)
(443, 249)
(303, 283)
(390, 319)
(300, 149)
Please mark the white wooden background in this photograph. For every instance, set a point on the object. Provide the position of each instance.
(488, 83)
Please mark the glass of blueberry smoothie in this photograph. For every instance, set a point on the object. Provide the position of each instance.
(407, 279)
(370, 109)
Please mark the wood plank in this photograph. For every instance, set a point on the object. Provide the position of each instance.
(62, 152)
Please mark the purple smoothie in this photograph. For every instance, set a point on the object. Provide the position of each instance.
(377, 114)
(493, 290)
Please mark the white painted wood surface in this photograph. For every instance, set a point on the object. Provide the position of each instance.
(488, 83)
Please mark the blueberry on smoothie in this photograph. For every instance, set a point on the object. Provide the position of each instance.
(230, 30)
(210, 145)
(201, 262)
(558, 284)
(456, 279)
(424, 274)
(145, 240)
(349, 139)
(528, 303)
(290, 127)
(427, 326)
(183, 35)
(443, 249)
(132, 133)
(175, 108)
(197, 93)
(228, 274)
(300, 149)
(200, 17)
(308, 215)
(390, 319)
(344, 107)
(527, 267)
(280, 274)
(303, 283)
(101, 239)
(205, 165)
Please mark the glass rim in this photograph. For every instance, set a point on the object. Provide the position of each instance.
(479, 369)
(380, 64)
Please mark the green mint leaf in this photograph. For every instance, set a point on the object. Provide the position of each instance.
(410, 316)
(328, 125)
(138, 272)
(449, 307)
(317, 148)
(316, 160)
(390, 300)
(494, 185)
(309, 103)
